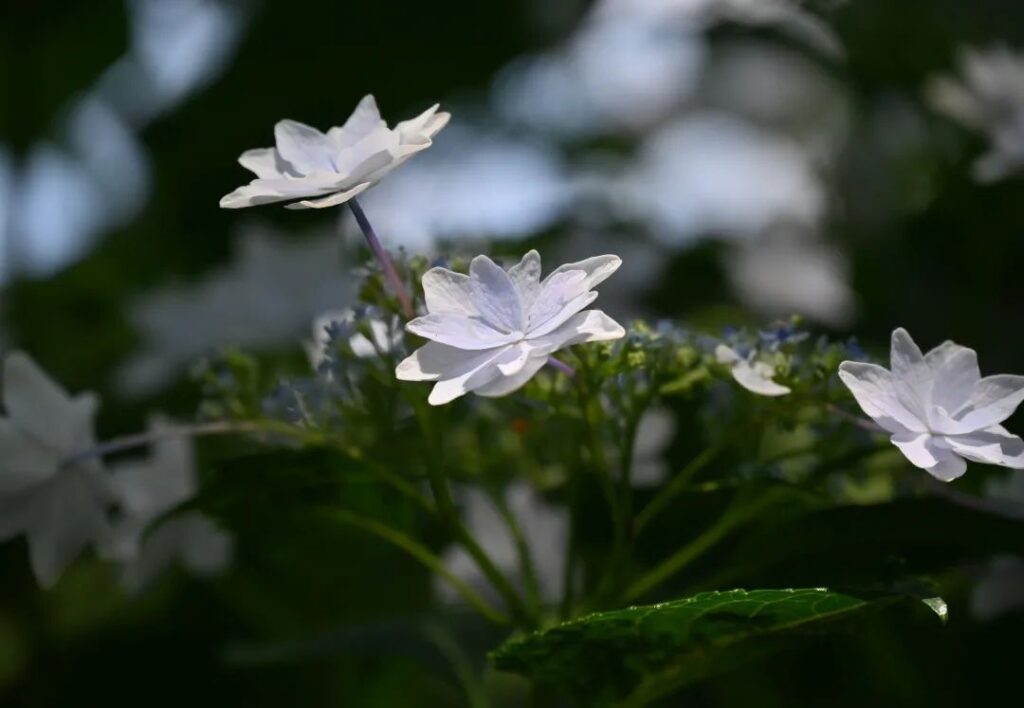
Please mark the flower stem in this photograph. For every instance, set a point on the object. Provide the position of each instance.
(561, 366)
(131, 442)
(383, 258)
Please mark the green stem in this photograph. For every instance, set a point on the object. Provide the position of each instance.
(677, 485)
(424, 555)
(526, 564)
(450, 516)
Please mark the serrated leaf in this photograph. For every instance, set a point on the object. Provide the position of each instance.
(641, 653)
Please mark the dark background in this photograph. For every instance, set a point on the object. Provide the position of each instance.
(927, 247)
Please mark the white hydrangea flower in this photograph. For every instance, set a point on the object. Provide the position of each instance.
(56, 502)
(383, 338)
(323, 170)
(147, 489)
(492, 330)
(755, 376)
(988, 97)
(939, 409)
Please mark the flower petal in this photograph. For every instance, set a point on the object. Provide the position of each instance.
(266, 163)
(509, 384)
(955, 371)
(494, 295)
(304, 147)
(446, 291)
(471, 333)
(426, 125)
(363, 121)
(69, 518)
(757, 378)
(930, 453)
(726, 355)
(589, 326)
(330, 200)
(466, 375)
(24, 461)
(993, 399)
(279, 189)
(555, 293)
(597, 268)
(430, 361)
(994, 446)
(525, 276)
(874, 389)
(38, 406)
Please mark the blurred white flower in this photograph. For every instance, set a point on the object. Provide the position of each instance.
(56, 501)
(988, 97)
(333, 167)
(653, 436)
(475, 184)
(713, 174)
(781, 272)
(750, 373)
(145, 490)
(265, 297)
(492, 330)
(938, 408)
(383, 337)
(545, 528)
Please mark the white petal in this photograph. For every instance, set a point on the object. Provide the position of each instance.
(508, 384)
(468, 374)
(460, 331)
(266, 163)
(525, 276)
(304, 147)
(38, 406)
(24, 461)
(70, 518)
(568, 309)
(597, 268)
(874, 389)
(431, 361)
(268, 191)
(930, 453)
(589, 326)
(993, 399)
(331, 200)
(513, 359)
(363, 121)
(757, 379)
(494, 295)
(556, 292)
(414, 128)
(446, 291)
(726, 355)
(955, 371)
(905, 358)
(994, 446)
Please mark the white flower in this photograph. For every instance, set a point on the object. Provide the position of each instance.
(492, 330)
(988, 98)
(56, 503)
(334, 167)
(755, 376)
(654, 435)
(938, 408)
(383, 338)
(145, 490)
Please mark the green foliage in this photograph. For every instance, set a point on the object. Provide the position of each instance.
(638, 654)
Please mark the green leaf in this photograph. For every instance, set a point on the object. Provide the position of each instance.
(639, 654)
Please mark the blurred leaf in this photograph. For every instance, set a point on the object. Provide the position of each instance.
(641, 653)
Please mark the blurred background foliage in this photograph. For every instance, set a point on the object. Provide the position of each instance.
(748, 170)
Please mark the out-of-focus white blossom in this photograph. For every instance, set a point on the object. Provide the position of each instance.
(988, 96)
(264, 298)
(322, 170)
(145, 490)
(938, 408)
(53, 498)
(751, 373)
(654, 434)
(492, 330)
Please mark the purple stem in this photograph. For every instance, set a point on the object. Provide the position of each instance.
(561, 366)
(383, 258)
